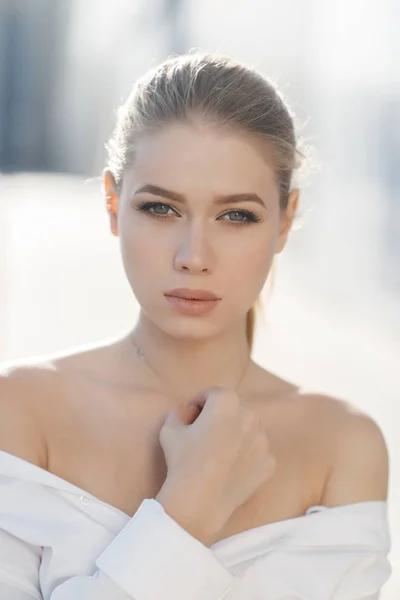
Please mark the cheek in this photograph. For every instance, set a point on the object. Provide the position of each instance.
(247, 266)
(143, 253)
(252, 255)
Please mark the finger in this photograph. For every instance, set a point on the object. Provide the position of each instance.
(182, 415)
(192, 413)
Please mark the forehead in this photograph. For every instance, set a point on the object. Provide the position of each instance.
(190, 159)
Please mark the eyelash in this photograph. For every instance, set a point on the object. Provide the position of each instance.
(251, 217)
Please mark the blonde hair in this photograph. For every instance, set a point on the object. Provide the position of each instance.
(214, 89)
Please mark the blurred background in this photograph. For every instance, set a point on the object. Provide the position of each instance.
(332, 322)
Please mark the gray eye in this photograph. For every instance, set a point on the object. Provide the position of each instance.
(160, 209)
(237, 215)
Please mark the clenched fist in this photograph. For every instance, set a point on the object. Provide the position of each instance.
(217, 456)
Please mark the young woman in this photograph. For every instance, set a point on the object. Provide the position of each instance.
(166, 464)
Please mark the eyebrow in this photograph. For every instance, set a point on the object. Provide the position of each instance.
(175, 197)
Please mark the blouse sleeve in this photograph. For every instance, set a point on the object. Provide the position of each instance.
(316, 575)
(152, 558)
(339, 555)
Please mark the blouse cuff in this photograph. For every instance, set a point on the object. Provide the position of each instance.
(154, 558)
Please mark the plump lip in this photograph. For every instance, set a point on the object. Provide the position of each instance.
(189, 294)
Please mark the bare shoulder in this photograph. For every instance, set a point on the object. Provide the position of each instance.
(359, 466)
(30, 391)
(22, 390)
(33, 391)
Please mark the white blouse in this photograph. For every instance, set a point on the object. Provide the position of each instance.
(58, 542)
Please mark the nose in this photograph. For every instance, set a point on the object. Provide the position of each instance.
(195, 253)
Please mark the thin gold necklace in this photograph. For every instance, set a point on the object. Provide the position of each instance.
(174, 392)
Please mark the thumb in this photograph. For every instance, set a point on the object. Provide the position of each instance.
(181, 416)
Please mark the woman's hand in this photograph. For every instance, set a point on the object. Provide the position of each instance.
(217, 456)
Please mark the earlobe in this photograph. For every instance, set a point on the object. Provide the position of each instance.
(281, 242)
(111, 198)
(287, 219)
(112, 208)
(293, 203)
(114, 226)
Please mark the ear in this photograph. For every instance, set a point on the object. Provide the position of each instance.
(286, 220)
(111, 196)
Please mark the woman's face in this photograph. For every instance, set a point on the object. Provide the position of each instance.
(199, 209)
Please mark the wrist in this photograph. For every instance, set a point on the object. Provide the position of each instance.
(189, 512)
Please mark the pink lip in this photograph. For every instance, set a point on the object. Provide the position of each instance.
(189, 294)
(192, 302)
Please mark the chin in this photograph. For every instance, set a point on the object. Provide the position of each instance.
(186, 330)
(182, 326)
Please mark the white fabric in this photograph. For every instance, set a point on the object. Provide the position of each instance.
(58, 542)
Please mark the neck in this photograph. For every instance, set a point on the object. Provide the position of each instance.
(188, 366)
